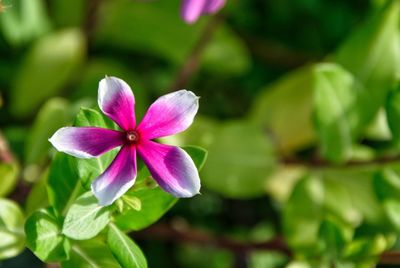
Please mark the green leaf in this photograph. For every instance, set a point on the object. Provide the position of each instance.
(367, 247)
(302, 214)
(12, 240)
(48, 66)
(387, 184)
(393, 114)
(52, 116)
(392, 209)
(89, 169)
(124, 249)
(38, 196)
(378, 129)
(132, 202)
(68, 13)
(85, 218)
(263, 258)
(90, 254)
(335, 235)
(240, 159)
(359, 185)
(26, 20)
(44, 237)
(198, 154)
(335, 95)
(154, 202)
(224, 47)
(338, 201)
(8, 177)
(372, 55)
(387, 189)
(288, 98)
(64, 185)
(121, 17)
(90, 117)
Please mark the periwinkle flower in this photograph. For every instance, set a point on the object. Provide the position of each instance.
(192, 9)
(170, 166)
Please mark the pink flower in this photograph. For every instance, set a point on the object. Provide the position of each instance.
(170, 166)
(193, 9)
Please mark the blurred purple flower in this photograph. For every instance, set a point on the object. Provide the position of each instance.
(193, 9)
(170, 166)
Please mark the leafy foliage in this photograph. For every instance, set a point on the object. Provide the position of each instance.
(44, 236)
(85, 218)
(124, 249)
(301, 129)
(11, 229)
(54, 234)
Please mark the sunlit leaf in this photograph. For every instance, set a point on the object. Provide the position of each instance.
(52, 116)
(8, 177)
(284, 109)
(372, 55)
(335, 95)
(85, 218)
(25, 21)
(64, 185)
(38, 196)
(302, 215)
(49, 64)
(44, 236)
(240, 159)
(89, 254)
(124, 249)
(12, 235)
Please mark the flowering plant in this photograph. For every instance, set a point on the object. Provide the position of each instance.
(170, 166)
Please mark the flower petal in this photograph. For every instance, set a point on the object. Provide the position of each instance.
(192, 9)
(171, 167)
(169, 114)
(118, 177)
(116, 100)
(213, 6)
(86, 142)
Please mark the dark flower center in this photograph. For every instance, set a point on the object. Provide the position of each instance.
(132, 136)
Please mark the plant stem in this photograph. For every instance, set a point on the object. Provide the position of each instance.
(192, 62)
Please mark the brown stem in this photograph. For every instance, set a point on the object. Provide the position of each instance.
(184, 234)
(390, 257)
(179, 232)
(319, 163)
(192, 62)
(91, 17)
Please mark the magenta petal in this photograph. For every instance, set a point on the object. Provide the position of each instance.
(213, 6)
(116, 100)
(118, 177)
(169, 114)
(171, 167)
(86, 142)
(192, 9)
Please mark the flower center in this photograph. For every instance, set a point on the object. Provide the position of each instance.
(132, 136)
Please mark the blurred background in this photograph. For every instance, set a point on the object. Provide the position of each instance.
(298, 112)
